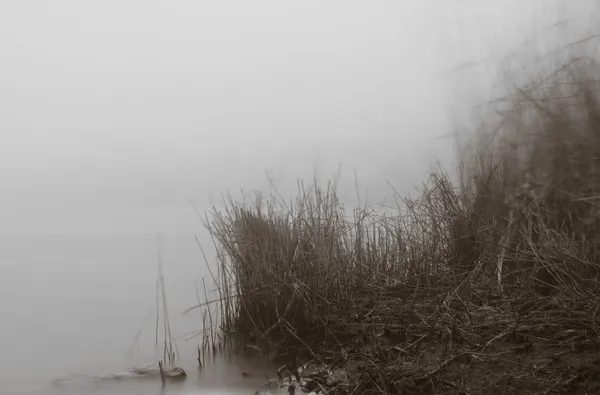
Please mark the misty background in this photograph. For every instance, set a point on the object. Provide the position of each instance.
(115, 114)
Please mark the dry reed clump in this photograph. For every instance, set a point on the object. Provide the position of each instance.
(491, 285)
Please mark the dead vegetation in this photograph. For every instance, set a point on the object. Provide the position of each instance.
(488, 286)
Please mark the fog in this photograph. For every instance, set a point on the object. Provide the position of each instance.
(115, 114)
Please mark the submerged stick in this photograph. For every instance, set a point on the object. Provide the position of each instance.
(162, 372)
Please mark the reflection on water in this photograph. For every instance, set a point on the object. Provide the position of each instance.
(219, 377)
(72, 306)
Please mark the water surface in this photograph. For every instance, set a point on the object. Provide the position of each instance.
(72, 306)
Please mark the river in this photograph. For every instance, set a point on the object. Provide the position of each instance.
(73, 304)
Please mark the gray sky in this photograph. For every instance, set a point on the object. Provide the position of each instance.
(112, 113)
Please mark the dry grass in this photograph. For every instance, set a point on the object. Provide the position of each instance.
(487, 286)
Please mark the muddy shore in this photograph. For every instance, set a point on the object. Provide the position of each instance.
(443, 341)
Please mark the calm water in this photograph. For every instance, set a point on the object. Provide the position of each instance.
(72, 304)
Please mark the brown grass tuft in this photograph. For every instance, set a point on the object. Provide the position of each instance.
(490, 285)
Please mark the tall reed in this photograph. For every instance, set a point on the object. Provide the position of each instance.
(522, 218)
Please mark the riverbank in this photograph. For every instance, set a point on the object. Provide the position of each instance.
(485, 285)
